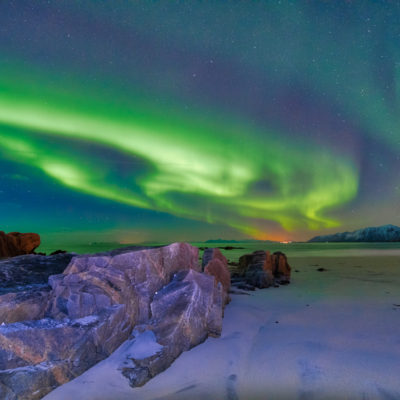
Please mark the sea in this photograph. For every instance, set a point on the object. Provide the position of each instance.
(237, 248)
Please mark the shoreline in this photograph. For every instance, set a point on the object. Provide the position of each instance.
(336, 338)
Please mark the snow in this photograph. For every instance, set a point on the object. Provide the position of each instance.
(329, 335)
(88, 320)
(144, 345)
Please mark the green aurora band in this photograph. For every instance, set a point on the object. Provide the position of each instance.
(200, 168)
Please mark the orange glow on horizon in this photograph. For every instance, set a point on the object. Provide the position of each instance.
(271, 236)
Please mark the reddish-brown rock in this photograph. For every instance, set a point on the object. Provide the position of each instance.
(278, 265)
(216, 264)
(16, 244)
(263, 269)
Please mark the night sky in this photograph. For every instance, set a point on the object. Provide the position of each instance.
(159, 121)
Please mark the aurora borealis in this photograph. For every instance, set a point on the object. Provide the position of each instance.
(136, 121)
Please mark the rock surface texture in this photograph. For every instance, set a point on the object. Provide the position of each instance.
(262, 269)
(61, 314)
(30, 271)
(184, 314)
(215, 263)
(57, 331)
(15, 244)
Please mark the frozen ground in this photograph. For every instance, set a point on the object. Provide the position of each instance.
(330, 335)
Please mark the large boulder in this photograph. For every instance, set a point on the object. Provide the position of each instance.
(252, 266)
(277, 263)
(16, 244)
(216, 264)
(128, 276)
(263, 269)
(90, 310)
(184, 313)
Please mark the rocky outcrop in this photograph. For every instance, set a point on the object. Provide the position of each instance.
(92, 308)
(16, 244)
(156, 299)
(130, 275)
(215, 263)
(30, 271)
(262, 269)
(37, 356)
(184, 314)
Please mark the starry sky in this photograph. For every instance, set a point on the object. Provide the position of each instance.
(136, 121)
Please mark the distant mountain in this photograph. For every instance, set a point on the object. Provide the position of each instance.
(385, 233)
(238, 241)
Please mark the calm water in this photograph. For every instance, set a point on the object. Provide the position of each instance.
(290, 249)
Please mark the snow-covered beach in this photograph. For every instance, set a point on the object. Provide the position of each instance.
(332, 334)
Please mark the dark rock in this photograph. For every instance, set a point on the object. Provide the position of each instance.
(244, 262)
(321, 269)
(58, 252)
(16, 244)
(185, 312)
(245, 286)
(25, 272)
(233, 263)
(230, 248)
(240, 292)
(258, 277)
(262, 269)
